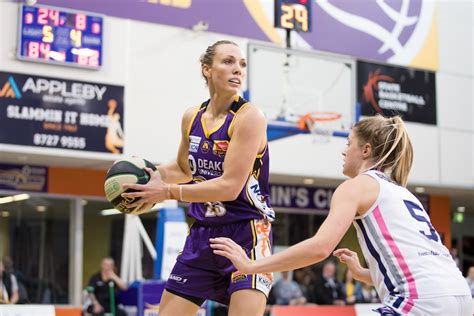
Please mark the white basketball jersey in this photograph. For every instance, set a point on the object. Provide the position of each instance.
(405, 254)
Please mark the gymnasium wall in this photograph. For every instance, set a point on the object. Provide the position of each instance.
(158, 66)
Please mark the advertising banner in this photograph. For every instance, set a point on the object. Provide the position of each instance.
(390, 91)
(23, 178)
(58, 113)
(398, 32)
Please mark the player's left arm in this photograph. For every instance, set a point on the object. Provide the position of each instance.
(249, 133)
(344, 205)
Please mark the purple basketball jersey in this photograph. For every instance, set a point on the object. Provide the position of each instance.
(207, 149)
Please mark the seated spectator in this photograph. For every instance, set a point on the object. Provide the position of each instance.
(470, 279)
(103, 288)
(21, 281)
(328, 290)
(8, 287)
(352, 289)
(287, 291)
(305, 279)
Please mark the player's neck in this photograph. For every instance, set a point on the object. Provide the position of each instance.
(219, 104)
(366, 166)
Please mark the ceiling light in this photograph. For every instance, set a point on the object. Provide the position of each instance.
(14, 198)
(110, 211)
(5, 213)
(308, 181)
(41, 208)
(84, 202)
(419, 189)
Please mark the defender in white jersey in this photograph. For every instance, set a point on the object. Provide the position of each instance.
(411, 269)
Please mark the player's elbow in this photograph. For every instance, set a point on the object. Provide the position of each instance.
(320, 251)
(229, 190)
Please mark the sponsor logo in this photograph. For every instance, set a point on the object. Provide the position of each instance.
(177, 278)
(265, 281)
(75, 90)
(10, 89)
(262, 229)
(384, 93)
(220, 147)
(210, 167)
(194, 143)
(192, 164)
(205, 147)
(238, 277)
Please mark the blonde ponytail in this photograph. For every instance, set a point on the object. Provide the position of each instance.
(391, 146)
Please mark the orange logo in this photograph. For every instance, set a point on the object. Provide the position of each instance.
(263, 228)
(371, 86)
(10, 89)
(220, 147)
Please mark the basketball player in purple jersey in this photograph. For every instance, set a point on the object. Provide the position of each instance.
(411, 269)
(223, 152)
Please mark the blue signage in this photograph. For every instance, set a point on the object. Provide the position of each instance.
(54, 35)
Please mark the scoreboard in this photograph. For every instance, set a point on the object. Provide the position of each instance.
(59, 36)
(293, 15)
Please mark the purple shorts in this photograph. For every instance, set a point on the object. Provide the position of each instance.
(200, 273)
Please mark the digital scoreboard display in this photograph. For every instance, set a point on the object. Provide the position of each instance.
(62, 37)
(293, 15)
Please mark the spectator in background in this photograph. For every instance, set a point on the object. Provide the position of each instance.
(287, 291)
(470, 279)
(352, 289)
(103, 289)
(369, 295)
(305, 279)
(8, 287)
(20, 278)
(328, 290)
(454, 253)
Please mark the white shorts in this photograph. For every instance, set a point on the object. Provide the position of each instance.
(461, 305)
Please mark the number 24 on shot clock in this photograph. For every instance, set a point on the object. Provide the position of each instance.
(293, 15)
(59, 36)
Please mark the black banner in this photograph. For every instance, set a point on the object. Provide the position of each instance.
(57, 113)
(400, 91)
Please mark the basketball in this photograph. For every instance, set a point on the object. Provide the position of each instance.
(127, 170)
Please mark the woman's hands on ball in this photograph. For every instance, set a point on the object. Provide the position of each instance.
(154, 191)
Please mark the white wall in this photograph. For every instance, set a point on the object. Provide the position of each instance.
(455, 92)
(158, 65)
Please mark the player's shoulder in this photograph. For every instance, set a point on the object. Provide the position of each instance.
(248, 109)
(358, 185)
(190, 113)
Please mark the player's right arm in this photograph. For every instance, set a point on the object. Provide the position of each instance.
(178, 171)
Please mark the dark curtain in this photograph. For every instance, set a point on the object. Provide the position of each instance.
(46, 240)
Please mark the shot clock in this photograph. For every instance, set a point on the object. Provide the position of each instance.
(58, 36)
(293, 15)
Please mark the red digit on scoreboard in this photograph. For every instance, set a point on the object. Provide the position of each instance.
(95, 28)
(28, 18)
(80, 22)
(33, 50)
(54, 16)
(44, 49)
(43, 16)
(94, 58)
